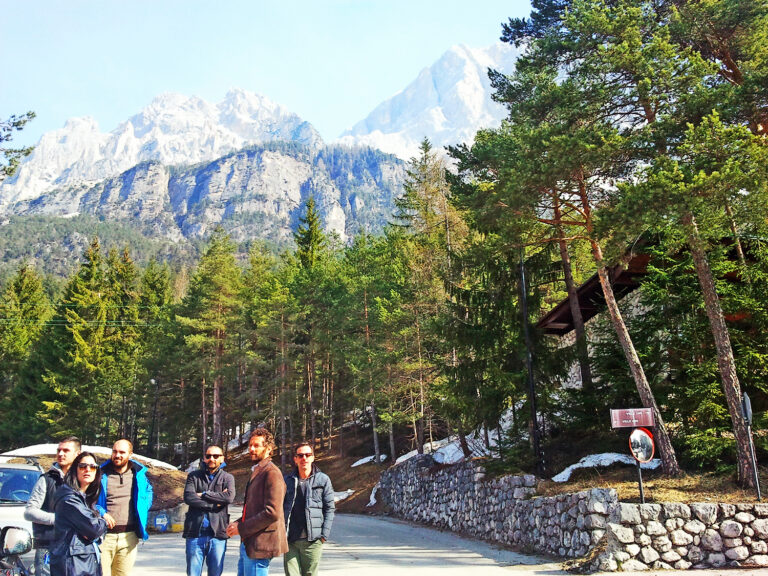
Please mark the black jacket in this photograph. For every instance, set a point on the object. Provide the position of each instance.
(320, 507)
(218, 493)
(76, 529)
(43, 533)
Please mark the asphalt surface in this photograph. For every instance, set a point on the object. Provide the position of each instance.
(367, 545)
(379, 546)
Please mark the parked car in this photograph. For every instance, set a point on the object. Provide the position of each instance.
(16, 483)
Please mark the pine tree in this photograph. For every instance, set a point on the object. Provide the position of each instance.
(209, 316)
(24, 311)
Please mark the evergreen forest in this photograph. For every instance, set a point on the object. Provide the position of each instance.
(634, 128)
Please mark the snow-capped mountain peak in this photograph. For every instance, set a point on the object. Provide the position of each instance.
(447, 102)
(173, 129)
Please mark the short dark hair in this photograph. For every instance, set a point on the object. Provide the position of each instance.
(301, 445)
(72, 440)
(269, 440)
(94, 489)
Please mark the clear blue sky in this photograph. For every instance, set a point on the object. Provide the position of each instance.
(329, 61)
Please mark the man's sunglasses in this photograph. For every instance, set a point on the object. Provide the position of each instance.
(303, 455)
(86, 466)
(209, 456)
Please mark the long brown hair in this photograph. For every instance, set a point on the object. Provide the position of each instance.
(94, 488)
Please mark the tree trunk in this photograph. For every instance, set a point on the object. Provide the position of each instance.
(666, 451)
(422, 394)
(582, 349)
(217, 434)
(311, 396)
(216, 408)
(463, 442)
(392, 449)
(725, 360)
(374, 422)
(283, 379)
(204, 418)
(330, 413)
(737, 241)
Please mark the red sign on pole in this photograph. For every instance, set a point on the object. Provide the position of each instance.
(632, 418)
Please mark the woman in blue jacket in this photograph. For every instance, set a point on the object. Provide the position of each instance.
(78, 527)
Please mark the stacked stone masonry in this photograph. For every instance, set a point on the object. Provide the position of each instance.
(591, 526)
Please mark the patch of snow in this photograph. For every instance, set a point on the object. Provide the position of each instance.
(604, 459)
(50, 449)
(241, 438)
(372, 501)
(338, 496)
(449, 454)
(368, 459)
(407, 456)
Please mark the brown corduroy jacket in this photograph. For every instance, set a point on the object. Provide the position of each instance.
(262, 526)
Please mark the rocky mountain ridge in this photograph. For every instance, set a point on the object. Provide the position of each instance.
(173, 130)
(182, 166)
(447, 103)
(256, 192)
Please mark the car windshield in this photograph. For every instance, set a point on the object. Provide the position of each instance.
(16, 485)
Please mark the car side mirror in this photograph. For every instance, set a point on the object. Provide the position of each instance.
(15, 541)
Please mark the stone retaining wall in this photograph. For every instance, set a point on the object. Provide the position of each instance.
(591, 526)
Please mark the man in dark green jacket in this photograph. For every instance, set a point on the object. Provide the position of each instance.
(208, 492)
(309, 509)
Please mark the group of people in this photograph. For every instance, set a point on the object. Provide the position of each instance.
(88, 518)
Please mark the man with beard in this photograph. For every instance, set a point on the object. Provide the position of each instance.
(124, 502)
(262, 526)
(208, 492)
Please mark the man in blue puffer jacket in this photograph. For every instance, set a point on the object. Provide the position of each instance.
(126, 496)
(309, 509)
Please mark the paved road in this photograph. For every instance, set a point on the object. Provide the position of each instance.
(372, 546)
(376, 546)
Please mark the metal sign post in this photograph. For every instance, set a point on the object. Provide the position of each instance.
(641, 447)
(641, 444)
(746, 409)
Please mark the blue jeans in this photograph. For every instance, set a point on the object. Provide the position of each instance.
(208, 550)
(250, 567)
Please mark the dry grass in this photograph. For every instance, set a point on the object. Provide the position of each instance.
(361, 479)
(688, 487)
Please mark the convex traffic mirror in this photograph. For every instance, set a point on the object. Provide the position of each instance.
(641, 445)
